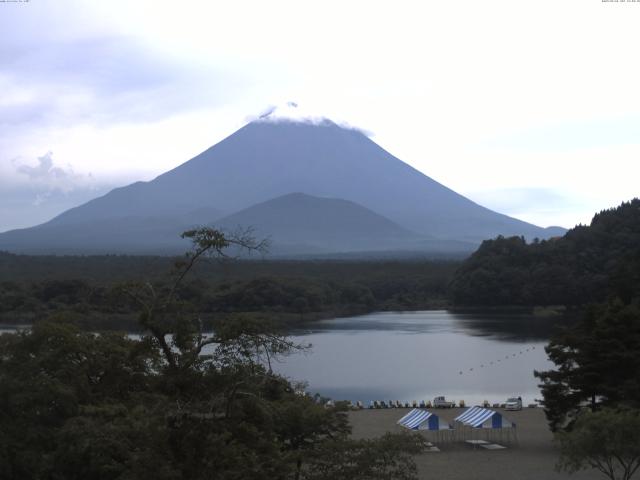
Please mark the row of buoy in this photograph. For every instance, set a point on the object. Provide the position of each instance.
(499, 360)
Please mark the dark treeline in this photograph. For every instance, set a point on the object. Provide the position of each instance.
(90, 289)
(176, 403)
(595, 270)
(589, 264)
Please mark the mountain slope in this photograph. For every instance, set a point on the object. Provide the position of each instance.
(267, 159)
(126, 234)
(314, 224)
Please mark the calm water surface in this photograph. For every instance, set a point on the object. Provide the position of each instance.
(418, 355)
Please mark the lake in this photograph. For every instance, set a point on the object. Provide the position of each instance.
(418, 355)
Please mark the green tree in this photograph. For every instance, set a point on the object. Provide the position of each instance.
(597, 364)
(607, 440)
(178, 336)
(175, 404)
(385, 458)
(54, 373)
(588, 264)
(303, 426)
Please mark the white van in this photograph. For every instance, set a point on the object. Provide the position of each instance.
(513, 403)
(440, 402)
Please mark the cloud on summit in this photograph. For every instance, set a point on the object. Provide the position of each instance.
(291, 111)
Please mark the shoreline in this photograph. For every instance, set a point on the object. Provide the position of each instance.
(533, 457)
(289, 321)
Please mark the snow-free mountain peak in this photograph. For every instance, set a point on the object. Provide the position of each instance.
(268, 159)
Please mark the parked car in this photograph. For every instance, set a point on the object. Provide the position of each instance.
(513, 403)
(440, 402)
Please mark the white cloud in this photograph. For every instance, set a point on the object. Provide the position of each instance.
(45, 169)
(482, 96)
(34, 192)
(52, 177)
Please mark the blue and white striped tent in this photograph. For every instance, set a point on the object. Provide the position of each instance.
(478, 417)
(418, 419)
(488, 423)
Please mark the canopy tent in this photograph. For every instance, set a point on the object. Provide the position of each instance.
(479, 417)
(424, 420)
(483, 419)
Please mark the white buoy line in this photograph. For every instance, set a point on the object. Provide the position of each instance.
(500, 360)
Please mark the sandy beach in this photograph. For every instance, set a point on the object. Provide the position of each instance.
(533, 457)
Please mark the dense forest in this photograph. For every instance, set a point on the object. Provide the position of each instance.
(174, 404)
(592, 394)
(180, 403)
(588, 264)
(92, 290)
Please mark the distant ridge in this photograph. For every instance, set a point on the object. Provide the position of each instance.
(262, 161)
(306, 224)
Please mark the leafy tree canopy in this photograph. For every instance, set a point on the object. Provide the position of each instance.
(608, 440)
(597, 364)
(588, 264)
(174, 404)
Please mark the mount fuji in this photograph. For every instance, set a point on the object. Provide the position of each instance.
(313, 186)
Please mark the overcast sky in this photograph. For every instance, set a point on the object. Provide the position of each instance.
(531, 108)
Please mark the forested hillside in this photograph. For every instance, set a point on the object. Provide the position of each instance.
(175, 403)
(90, 289)
(588, 264)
